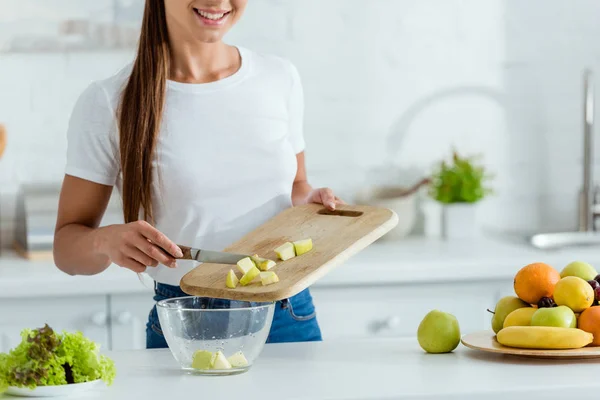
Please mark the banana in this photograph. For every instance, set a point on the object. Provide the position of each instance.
(543, 337)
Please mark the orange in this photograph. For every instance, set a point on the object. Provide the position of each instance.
(589, 321)
(535, 281)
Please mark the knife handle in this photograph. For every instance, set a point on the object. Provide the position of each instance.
(187, 252)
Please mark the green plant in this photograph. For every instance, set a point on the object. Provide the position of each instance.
(461, 181)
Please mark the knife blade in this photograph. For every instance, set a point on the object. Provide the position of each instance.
(210, 256)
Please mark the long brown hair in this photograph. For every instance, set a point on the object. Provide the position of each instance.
(140, 112)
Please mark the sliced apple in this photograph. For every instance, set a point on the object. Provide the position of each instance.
(303, 246)
(249, 276)
(285, 251)
(262, 263)
(220, 361)
(203, 359)
(268, 277)
(245, 265)
(238, 360)
(232, 280)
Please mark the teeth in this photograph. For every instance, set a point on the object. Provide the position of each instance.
(214, 17)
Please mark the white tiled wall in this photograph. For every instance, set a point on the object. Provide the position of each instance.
(390, 85)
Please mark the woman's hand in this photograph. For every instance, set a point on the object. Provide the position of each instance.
(137, 245)
(324, 196)
(303, 193)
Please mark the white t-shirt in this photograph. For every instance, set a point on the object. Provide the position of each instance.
(226, 153)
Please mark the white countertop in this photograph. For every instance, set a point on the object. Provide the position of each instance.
(352, 370)
(407, 261)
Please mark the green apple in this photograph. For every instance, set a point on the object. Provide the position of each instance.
(268, 277)
(285, 251)
(560, 317)
(438, 332)
(238, 360)
(505, 306)
(262, 263)
(579, 269)
(303, 246)
(232, 280)
(220, 361)
(203, 359)
(245, 264)
(249, 276)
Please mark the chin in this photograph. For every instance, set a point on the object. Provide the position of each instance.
(208, 37)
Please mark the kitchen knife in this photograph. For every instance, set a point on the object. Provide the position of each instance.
(209, 256)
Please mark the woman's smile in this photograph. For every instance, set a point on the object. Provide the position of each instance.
(212, 17)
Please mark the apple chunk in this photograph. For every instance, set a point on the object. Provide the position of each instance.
(249, 276)
(232, 280)
(220, 361)
(285, 251)
(268, 278)
(262, 263)
(303, 246)
(203, 359)
(238, 360)
(245, 265)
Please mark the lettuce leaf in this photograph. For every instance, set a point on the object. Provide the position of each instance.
(3, 368)
(45, 358)
(82, 355)
(32, 362)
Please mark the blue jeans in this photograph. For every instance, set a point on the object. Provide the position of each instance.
(294, 319)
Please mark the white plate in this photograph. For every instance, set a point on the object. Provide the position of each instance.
(53, 391)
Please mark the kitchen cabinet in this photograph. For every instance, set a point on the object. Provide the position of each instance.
(118, 321)
(397, 310)
(129, 314)
(115, 322)
(86, 314)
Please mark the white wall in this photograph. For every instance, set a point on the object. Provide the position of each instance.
(502, 78)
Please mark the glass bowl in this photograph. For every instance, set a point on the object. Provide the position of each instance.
(215, 337)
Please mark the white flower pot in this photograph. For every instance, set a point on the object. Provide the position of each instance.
(432, 218)
(459, 221)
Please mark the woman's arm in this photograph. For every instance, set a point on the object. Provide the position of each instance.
(303, 193)
(301, 188)
(76, 241)
(81, 248)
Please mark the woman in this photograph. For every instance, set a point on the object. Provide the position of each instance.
(204, 142)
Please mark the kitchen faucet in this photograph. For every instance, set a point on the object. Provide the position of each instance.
(589, 197)
(588, 209)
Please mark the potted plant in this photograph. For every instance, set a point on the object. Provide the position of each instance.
(459, 186)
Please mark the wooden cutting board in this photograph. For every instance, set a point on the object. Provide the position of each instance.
(336, 237)
(486, 341)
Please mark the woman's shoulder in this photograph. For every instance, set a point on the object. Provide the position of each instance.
(97, 103)
(108, 90)
(269, 62)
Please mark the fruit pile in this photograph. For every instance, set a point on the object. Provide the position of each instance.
(551, 310)
(204, 359)
(255, 266)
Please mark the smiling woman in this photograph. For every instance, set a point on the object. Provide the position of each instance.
(204, 142)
